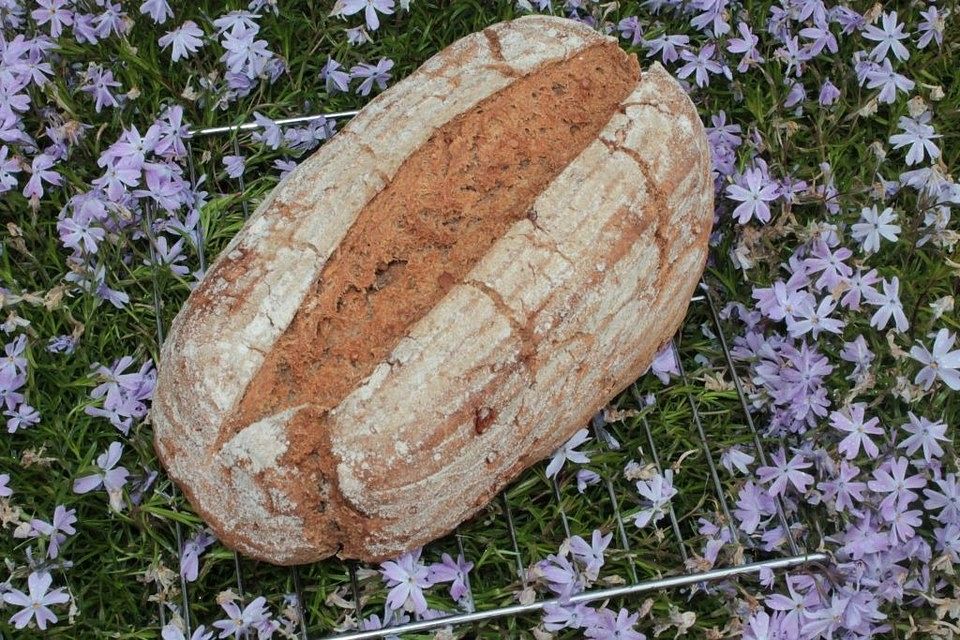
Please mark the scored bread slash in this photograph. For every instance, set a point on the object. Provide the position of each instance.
(438, 298)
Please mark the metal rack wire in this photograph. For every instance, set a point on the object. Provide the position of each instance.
(798, 556)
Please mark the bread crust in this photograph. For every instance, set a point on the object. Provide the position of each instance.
(564, 310)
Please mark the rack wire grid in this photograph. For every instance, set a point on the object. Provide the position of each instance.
(501, 516)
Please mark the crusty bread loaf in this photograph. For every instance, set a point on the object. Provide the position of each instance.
(438, 298)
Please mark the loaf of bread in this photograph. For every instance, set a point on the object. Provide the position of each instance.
(438, 298)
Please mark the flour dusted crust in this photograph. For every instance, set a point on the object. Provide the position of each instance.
(565, 308)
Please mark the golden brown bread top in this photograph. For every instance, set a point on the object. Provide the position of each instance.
(443, 209)
(472, 352)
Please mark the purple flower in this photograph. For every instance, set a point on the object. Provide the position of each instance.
(821, 38)
(590, 554)
(36, 605)
(795, 607)
(40, 173)
(903, 522)
(454, 572)
(753, 506)
(843, 490)
(158, 10)
(22, 417)
(631, 30)
(236, 22)
(889, 306)
(701, 64)
(760, 626)
(665, 364)
(285, 166)
(746, 44)
(379, 74)
(10, 384)
(245, 55)
(924, 434)
(557, 617)
(888, 81)
(931, 28)
(816, 320)
(369, 7)
(782, 301)
(891, 479)
(8, 167)
(919, 136)
(113, 20)
(828, 93)
(605, 625)
(185, 40)
(848, 19)
(80, 235)
(948, 541)
(235, 165)
(407, 578)
(830, 263)
(190, 554)
(713, 15)
(569, 452)
(84, 29)
(858, 431)
(561, 575)
(5, 491)
(334, 79)
(56, 532)
(824, 622)
(943, 362)
(238, 622)
(887, 38)
(110, 477)
(56, 13)
(947, 499)
(860, 285)
(130, 150)
(794, 55)
(656, 493)
(585, 478)
(373, 623)
(783, 473)
(753, 190)
(269, 132)
(123, 393)
(357, 35)
(14, 362)
(795, 95)
(99, 82)
(859, 354)
(735, 458)
(667, 45)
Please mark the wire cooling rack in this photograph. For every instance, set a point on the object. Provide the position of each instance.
(797, 556)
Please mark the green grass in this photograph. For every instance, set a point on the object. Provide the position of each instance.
(113, 554)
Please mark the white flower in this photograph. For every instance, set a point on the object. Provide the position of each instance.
(873, 226)
(889, 303)
(569, 452)
(919, 135)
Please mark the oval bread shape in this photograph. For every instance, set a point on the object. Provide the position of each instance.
(438, 298)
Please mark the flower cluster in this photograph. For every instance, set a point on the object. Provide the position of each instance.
(13, 379)
(573, 569)
(407, 577)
